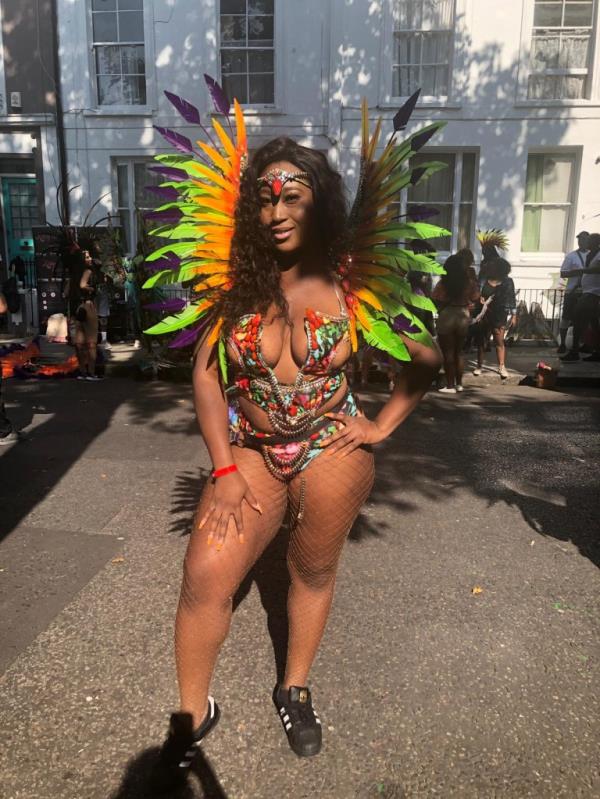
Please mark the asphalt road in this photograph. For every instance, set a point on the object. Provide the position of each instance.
(425, 687)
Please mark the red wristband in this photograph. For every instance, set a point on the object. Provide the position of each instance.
(225, 470)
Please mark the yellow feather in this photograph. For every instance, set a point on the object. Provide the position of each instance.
(368, 296)
(216, 158)
(240, 125)
(214, 335)
(362, 318)
(224, 138)
(374, 141)
(211, 282)
(371, 269)
(210, 174)
(365, 128)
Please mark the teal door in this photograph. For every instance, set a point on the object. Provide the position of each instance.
(20, 204)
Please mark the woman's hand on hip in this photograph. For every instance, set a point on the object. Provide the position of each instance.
(225, 509)
(353, 433)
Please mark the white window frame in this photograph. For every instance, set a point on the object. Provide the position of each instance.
(575, 153)
(151, 90)
(386, 97)
(129, 162)
(593, 93)
(458, 153)
(278, 62)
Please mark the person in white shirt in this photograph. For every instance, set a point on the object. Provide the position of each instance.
(573, 261)
(587, 310)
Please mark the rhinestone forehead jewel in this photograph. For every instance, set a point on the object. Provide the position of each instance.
(277, 178)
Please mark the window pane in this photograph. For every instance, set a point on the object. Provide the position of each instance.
(108, 61)
(465, 214)
(262, 89)
(571, 88)
(556, 180)
(579, 13)
(134, 90)
(104, 5)
(542, 88)
(260, 31)
(574, 50)
(261, 60)
(142, 178)
(534, 181)
(124, 218)
(261, 7)
(125, 5)
(428, 81)
(131, 26)
(440, 186)
(109, 90)
(236, 86)
(547, 14)
(234, 61)
(122, 185)
(406, 81)
(233, 31)
(553, 228)
(441, 81)
(133, 60)
(437, 14)
(105, 27)
(530, 241)
(467, 188)
(545, 51)
(233, 6)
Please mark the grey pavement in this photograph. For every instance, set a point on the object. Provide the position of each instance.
(461, 657)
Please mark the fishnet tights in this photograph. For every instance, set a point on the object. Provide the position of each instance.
(334, 491)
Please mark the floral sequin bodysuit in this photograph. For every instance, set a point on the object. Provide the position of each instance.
(294, 409)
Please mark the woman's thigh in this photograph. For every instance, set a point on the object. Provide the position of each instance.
(207, 571)
(335, 488)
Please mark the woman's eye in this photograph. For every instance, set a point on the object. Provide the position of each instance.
(291, 198)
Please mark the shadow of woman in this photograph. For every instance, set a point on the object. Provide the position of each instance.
(143, 779)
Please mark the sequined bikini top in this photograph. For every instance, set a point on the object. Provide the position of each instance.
(291, 408)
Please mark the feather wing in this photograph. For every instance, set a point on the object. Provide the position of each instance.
(202, 190)
(373, 272)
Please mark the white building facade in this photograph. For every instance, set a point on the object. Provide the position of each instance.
(518, 84)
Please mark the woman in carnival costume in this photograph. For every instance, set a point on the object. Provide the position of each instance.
(286, 281)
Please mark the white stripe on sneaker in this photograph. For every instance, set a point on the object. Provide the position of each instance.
(288, 725)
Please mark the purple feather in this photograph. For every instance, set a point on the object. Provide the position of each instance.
(188, 111)
(169, 172)
(404, 114)
(417, 174)
(174, 305)
(220, 99)
(170, 262)
(186, 337)
(403, 325)
(181, 143)
(421, 139)
(166, 216)
(167, 193)
(421, 212)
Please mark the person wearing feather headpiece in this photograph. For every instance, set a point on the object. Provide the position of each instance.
(290, 279)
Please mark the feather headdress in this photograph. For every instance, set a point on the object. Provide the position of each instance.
(494, 237)
(202, 188)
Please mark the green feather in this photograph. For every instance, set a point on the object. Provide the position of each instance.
(176, 322)
(183, 249)
(384, 338)
(222, 351)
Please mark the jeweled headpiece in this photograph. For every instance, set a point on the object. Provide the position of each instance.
(276, 179)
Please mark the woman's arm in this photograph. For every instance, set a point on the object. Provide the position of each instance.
(3, 305)
(412, 383)
(212, 412)
(84, 283)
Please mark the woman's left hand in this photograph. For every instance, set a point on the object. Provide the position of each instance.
(355, 431)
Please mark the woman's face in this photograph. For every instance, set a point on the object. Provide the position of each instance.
(291, 218)
(87, 258)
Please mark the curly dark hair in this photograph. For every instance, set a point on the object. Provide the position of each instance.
(457, 276)
(256, 274)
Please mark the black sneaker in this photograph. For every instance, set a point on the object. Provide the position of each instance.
(570, 356)
(561, 349)
(180, 748)
(300, 722)
(594, 357)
